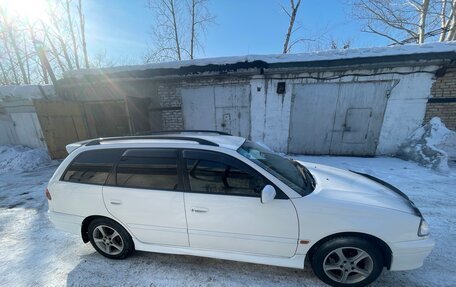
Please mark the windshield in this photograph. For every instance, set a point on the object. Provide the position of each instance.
(286, 170)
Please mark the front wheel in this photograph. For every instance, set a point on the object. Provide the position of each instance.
(110, 239)
(347, 262)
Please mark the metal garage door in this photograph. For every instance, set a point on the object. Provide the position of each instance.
(224, 108)
(338, 119)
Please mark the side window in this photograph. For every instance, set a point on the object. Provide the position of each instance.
(148, 172)
(213, 176)
(92, 167)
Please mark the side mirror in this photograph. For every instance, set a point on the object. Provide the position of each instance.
(268, 193)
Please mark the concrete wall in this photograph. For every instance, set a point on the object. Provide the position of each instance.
(444, 96)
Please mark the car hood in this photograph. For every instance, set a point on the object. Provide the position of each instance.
(349, 186)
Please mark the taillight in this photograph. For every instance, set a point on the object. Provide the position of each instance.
(48, 194)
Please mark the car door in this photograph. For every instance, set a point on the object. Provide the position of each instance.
(224, 209)
(145, 193)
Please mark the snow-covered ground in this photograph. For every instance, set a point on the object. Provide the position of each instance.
(33, 253)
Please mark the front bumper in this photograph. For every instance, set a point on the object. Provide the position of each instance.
(410, 254)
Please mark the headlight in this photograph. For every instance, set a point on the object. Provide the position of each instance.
(423, 230)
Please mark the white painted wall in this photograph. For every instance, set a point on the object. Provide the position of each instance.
(405, 109)
(270, 114)
(28, 130)
(21, 129)
(19, 123)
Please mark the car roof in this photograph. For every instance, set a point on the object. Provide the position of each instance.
(170, 139)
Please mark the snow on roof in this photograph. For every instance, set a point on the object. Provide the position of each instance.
(25, 91)
(327, 55)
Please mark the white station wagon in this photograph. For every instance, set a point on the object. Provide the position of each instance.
(215, 195)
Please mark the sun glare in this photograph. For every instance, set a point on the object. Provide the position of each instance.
(30, 10)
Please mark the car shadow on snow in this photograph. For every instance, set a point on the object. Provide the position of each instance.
(154, 269)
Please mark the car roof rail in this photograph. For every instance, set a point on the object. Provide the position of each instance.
(153, 137)
(145, 133)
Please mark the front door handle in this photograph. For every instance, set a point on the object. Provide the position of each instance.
(115, 202)
(199, 209)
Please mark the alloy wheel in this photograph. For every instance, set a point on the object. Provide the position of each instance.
(108, 240)
(348, 265)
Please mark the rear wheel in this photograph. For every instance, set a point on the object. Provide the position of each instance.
(347, 261)
(110, 239)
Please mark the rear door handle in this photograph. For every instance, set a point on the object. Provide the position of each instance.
(115, 202)
(199, 209)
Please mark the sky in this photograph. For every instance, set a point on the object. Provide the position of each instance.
(121, 28)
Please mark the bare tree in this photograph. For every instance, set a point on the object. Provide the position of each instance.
(73, 36)
(41, 50)
(32, 51)
(4, 78)
(200, 17)
(56, 31)
(448, 20)
(423, 11)
(178, 29)
(44, 72)
(11, 63)
(334, 45)
(11, 37)
(55, 54)
(407, 21)
(167, 30)
(292, 15)
(83, 37)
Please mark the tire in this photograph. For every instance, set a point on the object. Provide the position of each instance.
(347, 262)
(110, 239)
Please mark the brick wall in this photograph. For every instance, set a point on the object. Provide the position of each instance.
(443, 101)
(168, 93)
(170, 103)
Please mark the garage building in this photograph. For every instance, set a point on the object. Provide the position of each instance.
(361, 102)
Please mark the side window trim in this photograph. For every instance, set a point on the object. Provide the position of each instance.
(221, 157)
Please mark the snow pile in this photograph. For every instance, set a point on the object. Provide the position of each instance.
(431, 145)
(20, 158)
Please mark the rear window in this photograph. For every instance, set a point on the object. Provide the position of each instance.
(93, 166)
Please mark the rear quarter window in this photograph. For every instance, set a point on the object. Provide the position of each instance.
(92, 167)
(146, 172)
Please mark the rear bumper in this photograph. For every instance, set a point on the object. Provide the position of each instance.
(66, 222)
(410, 254)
